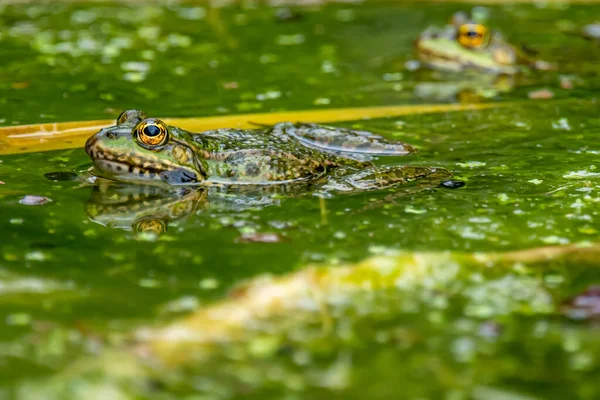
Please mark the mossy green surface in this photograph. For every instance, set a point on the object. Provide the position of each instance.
(531, 173)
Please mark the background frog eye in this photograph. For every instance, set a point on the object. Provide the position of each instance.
(473, 36)
(459, 18)
(151, 133)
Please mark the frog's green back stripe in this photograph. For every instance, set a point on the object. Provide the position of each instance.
(66, 135)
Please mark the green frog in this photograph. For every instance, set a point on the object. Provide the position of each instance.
(141, 149)
(466, 44)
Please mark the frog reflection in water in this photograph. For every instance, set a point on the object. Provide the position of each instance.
(140, 149)
(152, 208)
(142, 208)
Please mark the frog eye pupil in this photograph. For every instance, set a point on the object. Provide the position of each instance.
(151, 130)
(472, 34)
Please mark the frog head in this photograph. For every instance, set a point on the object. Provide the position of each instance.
(465, 44)
(145, 149)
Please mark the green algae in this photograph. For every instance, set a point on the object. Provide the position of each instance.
(458, 332)
(450, 316)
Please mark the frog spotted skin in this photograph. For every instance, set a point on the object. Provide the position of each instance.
(140, 149)
(467, 45)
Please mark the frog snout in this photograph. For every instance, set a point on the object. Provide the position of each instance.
(94, 144)
(94, 147)
(90, 144)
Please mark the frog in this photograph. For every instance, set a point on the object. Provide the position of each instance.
(466, 44)
(142, 149)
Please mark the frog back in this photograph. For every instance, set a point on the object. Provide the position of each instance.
(262, 156)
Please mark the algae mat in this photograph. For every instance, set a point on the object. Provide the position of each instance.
(484, 291)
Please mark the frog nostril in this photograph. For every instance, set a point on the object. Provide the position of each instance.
(111, 135)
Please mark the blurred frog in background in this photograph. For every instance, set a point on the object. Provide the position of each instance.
(466, 61)
(467, 43)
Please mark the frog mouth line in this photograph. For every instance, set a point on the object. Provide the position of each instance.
(428, 54)
(120, 165)
(123, 168)
(432, 57)
(448, 61)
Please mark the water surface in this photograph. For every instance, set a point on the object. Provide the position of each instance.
(530, 171)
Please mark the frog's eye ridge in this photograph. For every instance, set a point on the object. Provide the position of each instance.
(131, 117)
(151, 132)
(472, 35)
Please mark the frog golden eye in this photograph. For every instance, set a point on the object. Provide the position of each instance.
(473, 36)
(131, 117)
(151, 132)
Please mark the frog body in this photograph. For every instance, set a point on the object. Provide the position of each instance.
(146, 149)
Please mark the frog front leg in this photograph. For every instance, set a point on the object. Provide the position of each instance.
(352, 179)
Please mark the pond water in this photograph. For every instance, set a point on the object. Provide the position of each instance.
(73, 270)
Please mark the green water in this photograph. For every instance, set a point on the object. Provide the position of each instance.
(531, 180)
